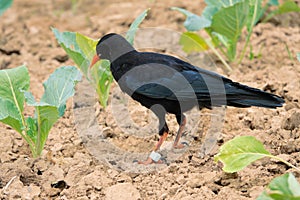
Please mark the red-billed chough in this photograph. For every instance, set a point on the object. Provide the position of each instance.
(166, 84)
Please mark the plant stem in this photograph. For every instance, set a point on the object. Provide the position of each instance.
(285, 162)
(245, 46)
(222, 50)
(289, 52)
(249, 32)
(38, 139)
(29, 141)
(211, 46)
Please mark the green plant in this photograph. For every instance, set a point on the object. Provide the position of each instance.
(81, 50)
(4, 5)
(285, 7)
(14, 86)
(285, 187)
(239, 152)
(224, 22)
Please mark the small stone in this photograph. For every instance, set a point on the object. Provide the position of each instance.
(56, 147)
(291, 122)
(180, 179)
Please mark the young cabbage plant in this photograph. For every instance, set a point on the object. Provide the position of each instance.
(14, 91)
(240, 152)
(224, 22)
(81, 50)
(283, 187)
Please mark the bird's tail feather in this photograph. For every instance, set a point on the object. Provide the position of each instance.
(243, 96)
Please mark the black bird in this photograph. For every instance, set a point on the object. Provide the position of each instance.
(166, 84)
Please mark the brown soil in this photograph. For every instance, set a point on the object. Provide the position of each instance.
(26, 38)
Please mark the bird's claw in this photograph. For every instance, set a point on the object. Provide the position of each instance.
(153, 158)
(181, 145)
(149, 161)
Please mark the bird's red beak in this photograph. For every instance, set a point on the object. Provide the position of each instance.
(96, 58)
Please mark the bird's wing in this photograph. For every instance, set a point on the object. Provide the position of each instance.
(174, 80)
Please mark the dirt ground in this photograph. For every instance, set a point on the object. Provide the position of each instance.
(26, 38)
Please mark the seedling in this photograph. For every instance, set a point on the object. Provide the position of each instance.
(14, 86)
(81, 50)
(285, 7)
(241, 151)
(224, 22)
(282, 187)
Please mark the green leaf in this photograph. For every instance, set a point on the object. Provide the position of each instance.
(222, 3)
(30, 100)
(31, 129)
(10, 115)
(46, 116)
(39, 126)
(264, 196)
(193, 22)
(239, 152)
(283, 187)
(255, 13)
(192, 42)
(214, 6)
(102, 78)
(12, 81)
(60, 87)
(294, 185)
(4, 5)
(87, 48)
(68, 41)
(134, 26)
(298, 56)
(220, 38)
(209, 12)
(273, 2)
(229, 22)
(86, 45)
(288, 6)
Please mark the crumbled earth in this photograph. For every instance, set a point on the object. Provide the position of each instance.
(68, 170)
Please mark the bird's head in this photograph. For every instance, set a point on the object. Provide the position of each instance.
(111, 47)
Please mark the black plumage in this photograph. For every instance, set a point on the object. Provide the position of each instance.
(172, 85)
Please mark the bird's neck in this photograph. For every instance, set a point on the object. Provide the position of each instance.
(119, 51)
(123, 64)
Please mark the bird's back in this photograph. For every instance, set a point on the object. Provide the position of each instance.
(162, 78)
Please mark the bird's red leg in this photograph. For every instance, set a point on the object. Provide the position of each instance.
(161, 141)
(157, 146)
(179, 134)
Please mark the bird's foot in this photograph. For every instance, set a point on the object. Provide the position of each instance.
(150, 161)
(180, 146)
(154, 158)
